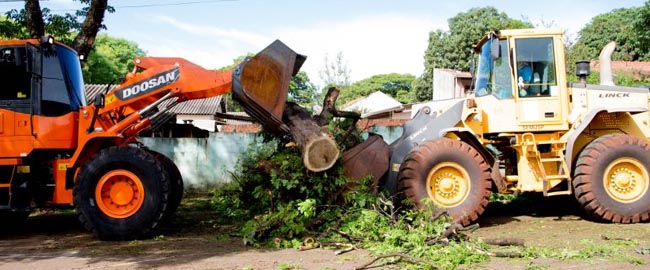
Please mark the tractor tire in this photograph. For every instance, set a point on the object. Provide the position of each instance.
(610, 180)
(121, 193)
(175, 184)
(450, 173)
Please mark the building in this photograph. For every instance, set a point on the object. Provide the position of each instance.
(192, 118)
(449, 84)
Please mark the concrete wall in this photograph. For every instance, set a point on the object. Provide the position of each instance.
(207, 162)
(203, 162)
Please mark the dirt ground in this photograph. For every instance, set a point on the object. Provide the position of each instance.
(194, 240)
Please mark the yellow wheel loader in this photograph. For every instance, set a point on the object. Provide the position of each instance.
(524, 128)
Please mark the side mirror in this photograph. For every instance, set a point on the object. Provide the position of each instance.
(99, 101)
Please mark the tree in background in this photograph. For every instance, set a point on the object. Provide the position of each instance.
(336, 72)
(398, 86)
(10, 29)
(111, 59)
(303, 92)
(34, 22)
(617, 25)
(642, 29)
(453, 48)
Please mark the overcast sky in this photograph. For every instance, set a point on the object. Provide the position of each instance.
(375, 36)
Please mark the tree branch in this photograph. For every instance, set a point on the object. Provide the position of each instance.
(396, 254)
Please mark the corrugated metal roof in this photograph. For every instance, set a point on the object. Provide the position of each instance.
(236, 122)
(205, 106)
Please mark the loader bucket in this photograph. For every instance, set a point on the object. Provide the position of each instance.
(369, 158)
(260, 84)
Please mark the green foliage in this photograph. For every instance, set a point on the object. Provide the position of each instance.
(286, 266)
(620, 79)
(302, 91)
(614, 250)
(617, 25)
(398, 86)
(110, 59)
(60, 26)
(272, 185)
(642, 30)
(11, 29)
(278, 203)
(453, 48)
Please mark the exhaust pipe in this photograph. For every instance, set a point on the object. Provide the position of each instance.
(605, 59)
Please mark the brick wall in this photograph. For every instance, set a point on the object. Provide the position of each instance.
(243, 128)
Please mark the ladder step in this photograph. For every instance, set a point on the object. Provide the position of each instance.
(5, 185)
(556, 177)
(557, 193)
(554, 159)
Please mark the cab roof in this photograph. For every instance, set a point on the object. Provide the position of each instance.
(528, 32)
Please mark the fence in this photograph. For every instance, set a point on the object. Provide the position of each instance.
(207, 162)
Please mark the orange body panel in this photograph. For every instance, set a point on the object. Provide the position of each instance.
(17, 140)
(61, 194)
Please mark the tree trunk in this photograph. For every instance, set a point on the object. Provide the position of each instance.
(318, 148)
(84, 41)
(34, 18)
(329, 109)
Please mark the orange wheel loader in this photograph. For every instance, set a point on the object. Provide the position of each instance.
(57, 150)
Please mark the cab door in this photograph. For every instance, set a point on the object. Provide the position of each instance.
(540, 83)
(16, 101)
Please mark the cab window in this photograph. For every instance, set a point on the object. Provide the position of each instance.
(535, 67)
(55, 98)
(13, 74)
(493, 72)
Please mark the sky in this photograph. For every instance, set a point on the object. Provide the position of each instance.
(374, 36)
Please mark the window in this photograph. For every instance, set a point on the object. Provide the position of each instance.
(493, 73)
(535, 66)
(13, 74)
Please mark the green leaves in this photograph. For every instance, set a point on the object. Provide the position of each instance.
(453, 49)
(617, 25)
(110, 59)
(399, 86)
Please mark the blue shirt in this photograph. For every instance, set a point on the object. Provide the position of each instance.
(526, 73)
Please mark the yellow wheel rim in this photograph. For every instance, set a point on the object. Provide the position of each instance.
(119, 194)
(626, 180)
(448, 184)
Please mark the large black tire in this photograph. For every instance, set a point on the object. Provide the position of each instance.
(449, 172)
(610, 179)
(121, 193)
(175, 181)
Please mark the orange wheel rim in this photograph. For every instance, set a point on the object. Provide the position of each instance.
(119, 194)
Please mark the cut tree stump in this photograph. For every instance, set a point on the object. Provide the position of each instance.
(318, 148)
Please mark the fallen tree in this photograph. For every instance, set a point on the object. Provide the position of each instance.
(319, 149)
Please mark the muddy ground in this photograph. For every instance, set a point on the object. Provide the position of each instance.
(194, 240)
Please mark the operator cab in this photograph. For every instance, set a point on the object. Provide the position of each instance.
(41, 93)
(55, 65)
(518, 82)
